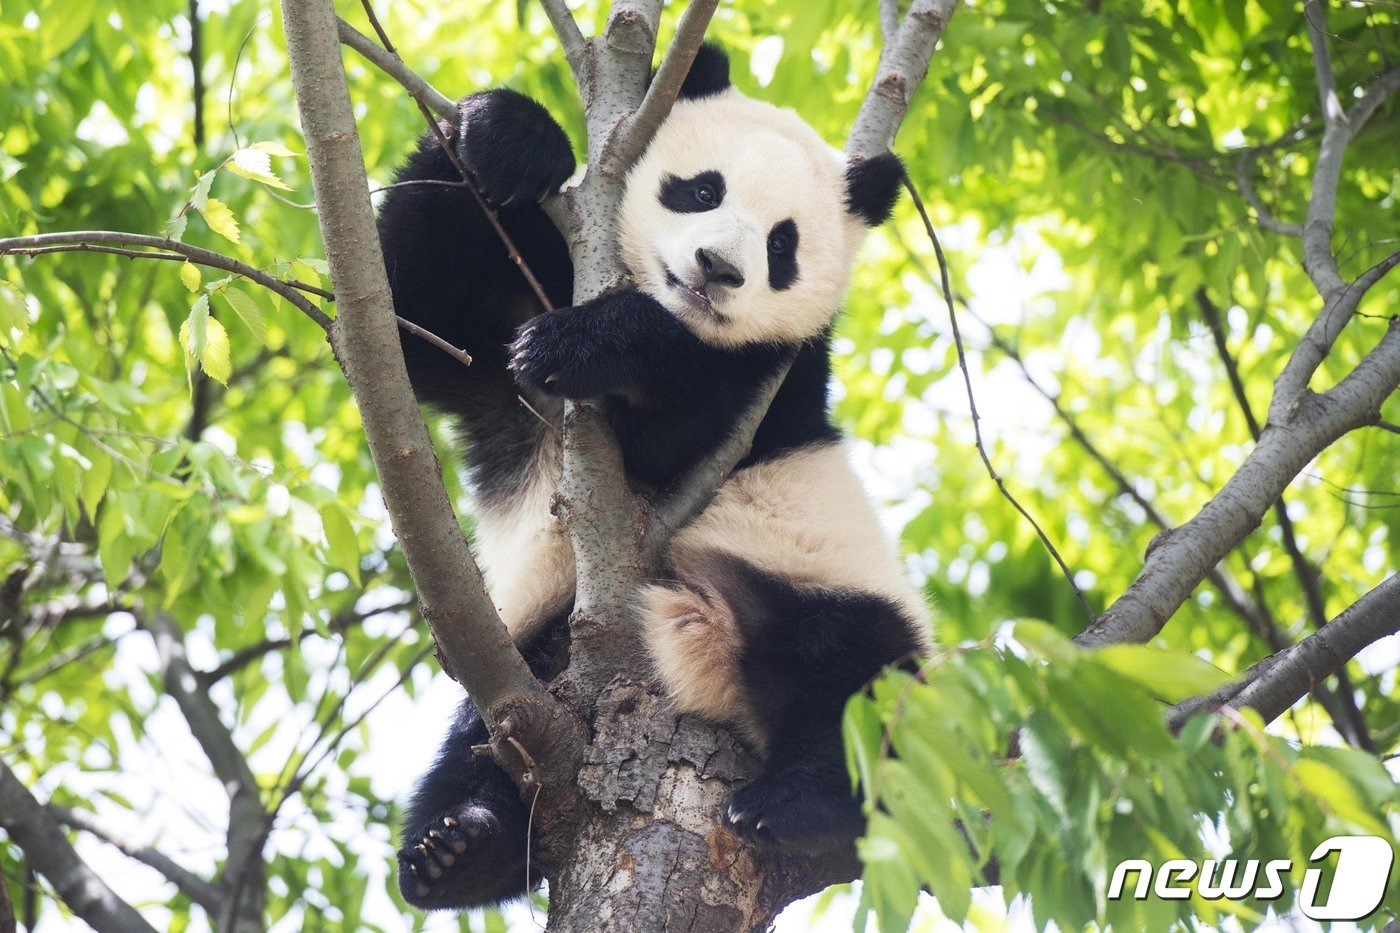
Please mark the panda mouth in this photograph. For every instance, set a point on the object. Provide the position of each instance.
(693, 292)
(694, 295)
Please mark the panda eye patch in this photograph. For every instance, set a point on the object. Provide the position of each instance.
(782, 255)
(702, 192)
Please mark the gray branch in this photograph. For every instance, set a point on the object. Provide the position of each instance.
(634, 133)
(472, 641)
(1301, 423)
(1274, 684)
(202, 892)
(390, 63)
(244, 872)
(903, 66)
(91, 240)
(1244, 178)
(1183, 558)
(30, 827)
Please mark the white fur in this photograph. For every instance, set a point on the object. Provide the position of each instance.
(803, 515)
(524, 550)
(775, 167)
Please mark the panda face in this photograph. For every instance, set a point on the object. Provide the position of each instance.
(736, 221)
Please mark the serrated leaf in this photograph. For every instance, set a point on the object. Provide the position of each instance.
(175, 226)
(273, 147)
(220, 219)
(189, 274)
(303, 271)
(216, 360)
(248, 312)
(194, 331)
(199, 194)
(256, 165)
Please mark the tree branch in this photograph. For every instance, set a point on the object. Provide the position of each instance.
(1184, 557)
(1340, 705)
(691, 492)
(96, 241)
(1273, 685)
(633, 134)
(202, 892)
(903, 66)
(566, 28)
(245, 809)
(472, 641)
(31, 828)
(972, 404)
(1244, 169)
(393, 66)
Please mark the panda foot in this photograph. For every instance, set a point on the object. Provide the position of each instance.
(787, 812)
(446, 865)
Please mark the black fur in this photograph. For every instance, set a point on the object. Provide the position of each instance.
(872, 187)
(806, 651)
(709, 73)
(670, 398)
(782, 263)
(683, 195)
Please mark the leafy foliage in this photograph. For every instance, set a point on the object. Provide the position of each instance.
(1080, 159)
(1098, 780)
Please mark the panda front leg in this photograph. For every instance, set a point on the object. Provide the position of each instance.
(465, 830)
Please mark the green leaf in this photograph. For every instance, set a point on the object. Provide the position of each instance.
(255, 164)
(189, 275)
(247, 310)
(215, 360)
(273, 147)
(14, 313)
(194, 332)
(220, 219)
(341, 541)
(1169, 675)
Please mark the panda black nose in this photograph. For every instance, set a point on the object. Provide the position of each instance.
(717, 269)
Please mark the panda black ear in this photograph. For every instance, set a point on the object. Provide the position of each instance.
(709, 73)
(872, 187)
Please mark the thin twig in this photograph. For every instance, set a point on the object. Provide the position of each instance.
(451, 152)
(1244, 168)
(203, 892)
(972, 402)
(390, 63)
(78, 240)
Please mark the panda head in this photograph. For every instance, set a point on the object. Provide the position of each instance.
(741, 221)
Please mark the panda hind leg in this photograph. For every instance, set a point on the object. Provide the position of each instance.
(806, 650)
(463, 840)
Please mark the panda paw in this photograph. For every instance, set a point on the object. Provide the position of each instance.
(781, 813)
(437, 868)
(550, 354)
(514, 149)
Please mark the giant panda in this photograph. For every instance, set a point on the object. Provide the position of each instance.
(739, 227)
